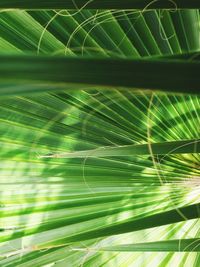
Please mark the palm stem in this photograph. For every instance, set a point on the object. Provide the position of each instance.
(99, 4)
(166, 148)
(162, 74)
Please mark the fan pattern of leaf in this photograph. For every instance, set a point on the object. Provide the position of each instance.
(59, 208)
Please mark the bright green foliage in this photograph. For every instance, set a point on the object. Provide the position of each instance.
(97, 168)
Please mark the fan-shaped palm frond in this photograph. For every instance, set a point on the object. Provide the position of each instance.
(99, 123)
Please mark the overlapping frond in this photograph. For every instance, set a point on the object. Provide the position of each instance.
(76, 190)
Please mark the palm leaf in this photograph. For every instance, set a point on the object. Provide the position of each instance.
(99, 133)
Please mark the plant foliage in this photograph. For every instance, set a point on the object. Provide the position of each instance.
(99, 124)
